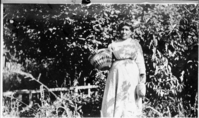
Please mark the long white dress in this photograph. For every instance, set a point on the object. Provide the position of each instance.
(120, 99)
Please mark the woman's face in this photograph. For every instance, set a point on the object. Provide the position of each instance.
(125, 32)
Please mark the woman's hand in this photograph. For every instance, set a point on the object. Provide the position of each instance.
(142, 78)
(141, 87)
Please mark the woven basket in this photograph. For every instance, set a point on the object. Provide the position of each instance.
(102, 59)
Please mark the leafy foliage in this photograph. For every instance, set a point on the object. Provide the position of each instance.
(68, 105)
(56, 40)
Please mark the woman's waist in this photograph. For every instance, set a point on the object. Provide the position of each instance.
(123, 61)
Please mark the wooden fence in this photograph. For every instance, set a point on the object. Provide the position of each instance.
(32, 94)
(37, 94)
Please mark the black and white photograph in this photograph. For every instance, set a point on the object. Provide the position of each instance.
(104, 60)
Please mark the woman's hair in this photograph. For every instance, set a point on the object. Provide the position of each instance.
(126, 23)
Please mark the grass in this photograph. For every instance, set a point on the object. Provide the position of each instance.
(64, 104)
(71, 104)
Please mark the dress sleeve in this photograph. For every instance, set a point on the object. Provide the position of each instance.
(110, 47)
(140, 59)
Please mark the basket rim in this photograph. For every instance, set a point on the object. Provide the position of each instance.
(98, 51)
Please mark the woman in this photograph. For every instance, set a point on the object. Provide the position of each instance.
(120, 98)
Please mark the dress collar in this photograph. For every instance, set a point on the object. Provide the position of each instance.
(129, 39)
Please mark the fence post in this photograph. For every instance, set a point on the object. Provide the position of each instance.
(89, 90)
(76, 91)
(30, 96)
(42, 94)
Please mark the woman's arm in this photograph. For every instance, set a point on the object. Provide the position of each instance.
(140, 62)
